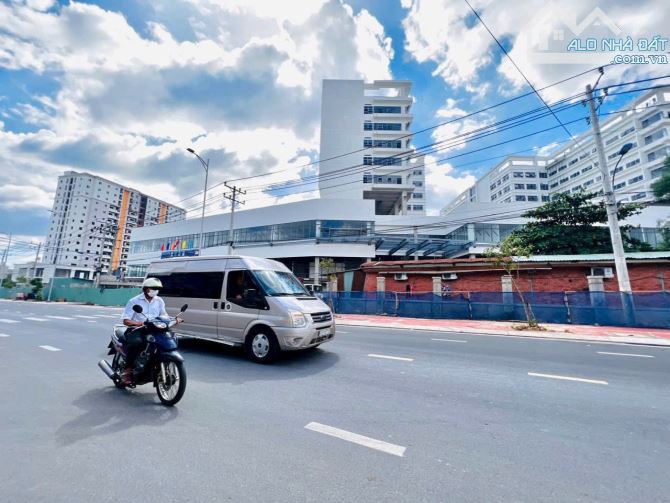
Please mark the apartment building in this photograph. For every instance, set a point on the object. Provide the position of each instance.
(366, 150)
(91, 221)
(574, 167)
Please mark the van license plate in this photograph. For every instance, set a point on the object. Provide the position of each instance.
(324, 333)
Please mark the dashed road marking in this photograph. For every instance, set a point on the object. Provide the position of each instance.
(448, 340)
(50, 348)
(58, 317)
(387, 357)
(5, 335)
(83, 317)
(371, 443)
(4, 320)
(91, 321)
(568, 378)
(104, 316)
(623, 354)
(33, 318)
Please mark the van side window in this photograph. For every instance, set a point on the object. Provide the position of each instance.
(238, 289)
(194, 285)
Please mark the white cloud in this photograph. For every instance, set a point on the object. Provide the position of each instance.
(443, 184)
(245, 91)
(455, 133)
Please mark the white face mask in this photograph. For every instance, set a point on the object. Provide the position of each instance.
(152, 293)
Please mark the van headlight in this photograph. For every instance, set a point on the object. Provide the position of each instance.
(298, 319)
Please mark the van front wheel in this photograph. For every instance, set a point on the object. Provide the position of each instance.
(261, 346)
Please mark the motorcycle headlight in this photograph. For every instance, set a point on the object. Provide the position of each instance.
(298, 319)
(161, 325)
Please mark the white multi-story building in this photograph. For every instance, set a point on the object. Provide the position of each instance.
(366, 150)
(91, 221)
(574, 167)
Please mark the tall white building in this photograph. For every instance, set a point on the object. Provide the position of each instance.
(366, 150)
(534, 179)
(91, 221)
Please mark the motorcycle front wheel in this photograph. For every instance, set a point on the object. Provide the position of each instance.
(171, 386)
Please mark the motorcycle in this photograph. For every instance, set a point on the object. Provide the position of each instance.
(159, 362)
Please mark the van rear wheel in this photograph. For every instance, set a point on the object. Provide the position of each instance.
(261, 346)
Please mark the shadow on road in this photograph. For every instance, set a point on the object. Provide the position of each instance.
(109, 410)
(212, 362)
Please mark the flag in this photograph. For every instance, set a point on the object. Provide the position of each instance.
(183, 245)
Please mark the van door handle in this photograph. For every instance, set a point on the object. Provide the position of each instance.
(216, 305)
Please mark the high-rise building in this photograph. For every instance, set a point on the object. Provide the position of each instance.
(366, 150)
(574, 167)
(91, 221)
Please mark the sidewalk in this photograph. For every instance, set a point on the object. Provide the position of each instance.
(650, 336)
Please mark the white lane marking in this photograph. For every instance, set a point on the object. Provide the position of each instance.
(623, 354)
(83, 317)
(448, 340)
(104, 316)
(50, 348)
(568, 378)
(4, 320)
(32, 318)
(58, 317)
(5, 335)
(372, 443)
(91, 321)
(386, 357)
(341, 332)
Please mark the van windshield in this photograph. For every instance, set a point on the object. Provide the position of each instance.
(277, 283)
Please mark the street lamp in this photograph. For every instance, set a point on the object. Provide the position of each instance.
(624, 150)
(205, 165)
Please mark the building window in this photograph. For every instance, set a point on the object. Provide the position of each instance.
(530, 174)
(387, 110)
(519, 186)
(520, 198)
(367, 126)
(651, 120)
(531, 186)
(367, 160)
(544, 186)
(640, 195)
(532, 198)
(518, 174)
(417, 195)
(417, 172)
(632, 163)
(386, 126)
(545, 199)
(635, 179)
(543, 174)
(367, 109)
(367, 178)
(418, 207)
(619, 185)
(367, 142)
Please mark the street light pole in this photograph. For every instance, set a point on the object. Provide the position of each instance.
(205, 165)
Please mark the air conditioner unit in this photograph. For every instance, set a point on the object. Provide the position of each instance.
(605, 272)
(450, 276)
(400, 277)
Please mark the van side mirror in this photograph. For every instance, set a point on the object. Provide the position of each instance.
(184, 308)
(137, 308)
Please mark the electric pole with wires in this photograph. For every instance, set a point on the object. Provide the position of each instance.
(235, 191)
(612, 218)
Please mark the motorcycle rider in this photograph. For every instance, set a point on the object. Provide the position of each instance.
(152, 307)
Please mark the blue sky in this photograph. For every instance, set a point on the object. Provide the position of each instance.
(120, 87)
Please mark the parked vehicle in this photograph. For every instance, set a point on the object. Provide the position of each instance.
(160, 361)
(244, 301)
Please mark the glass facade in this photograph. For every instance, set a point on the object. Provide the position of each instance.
(307, 229)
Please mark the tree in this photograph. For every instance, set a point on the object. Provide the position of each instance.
(505, 256)
(661, 187)
(328, 268)
(568, 225)
(8, 283)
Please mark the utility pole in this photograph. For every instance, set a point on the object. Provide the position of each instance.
(610, 201)
(234, 200)
(612, 218)
(5, 255)
(37, 256)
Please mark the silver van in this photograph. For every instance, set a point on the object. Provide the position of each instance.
(244, 301)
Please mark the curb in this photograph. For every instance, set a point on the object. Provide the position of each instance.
(631, 340)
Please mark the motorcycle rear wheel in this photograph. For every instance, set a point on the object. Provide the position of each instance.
(172, 389)
(118, 362)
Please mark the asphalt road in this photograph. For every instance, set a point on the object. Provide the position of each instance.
(464, 418)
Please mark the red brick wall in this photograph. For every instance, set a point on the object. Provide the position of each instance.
(644, 277)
